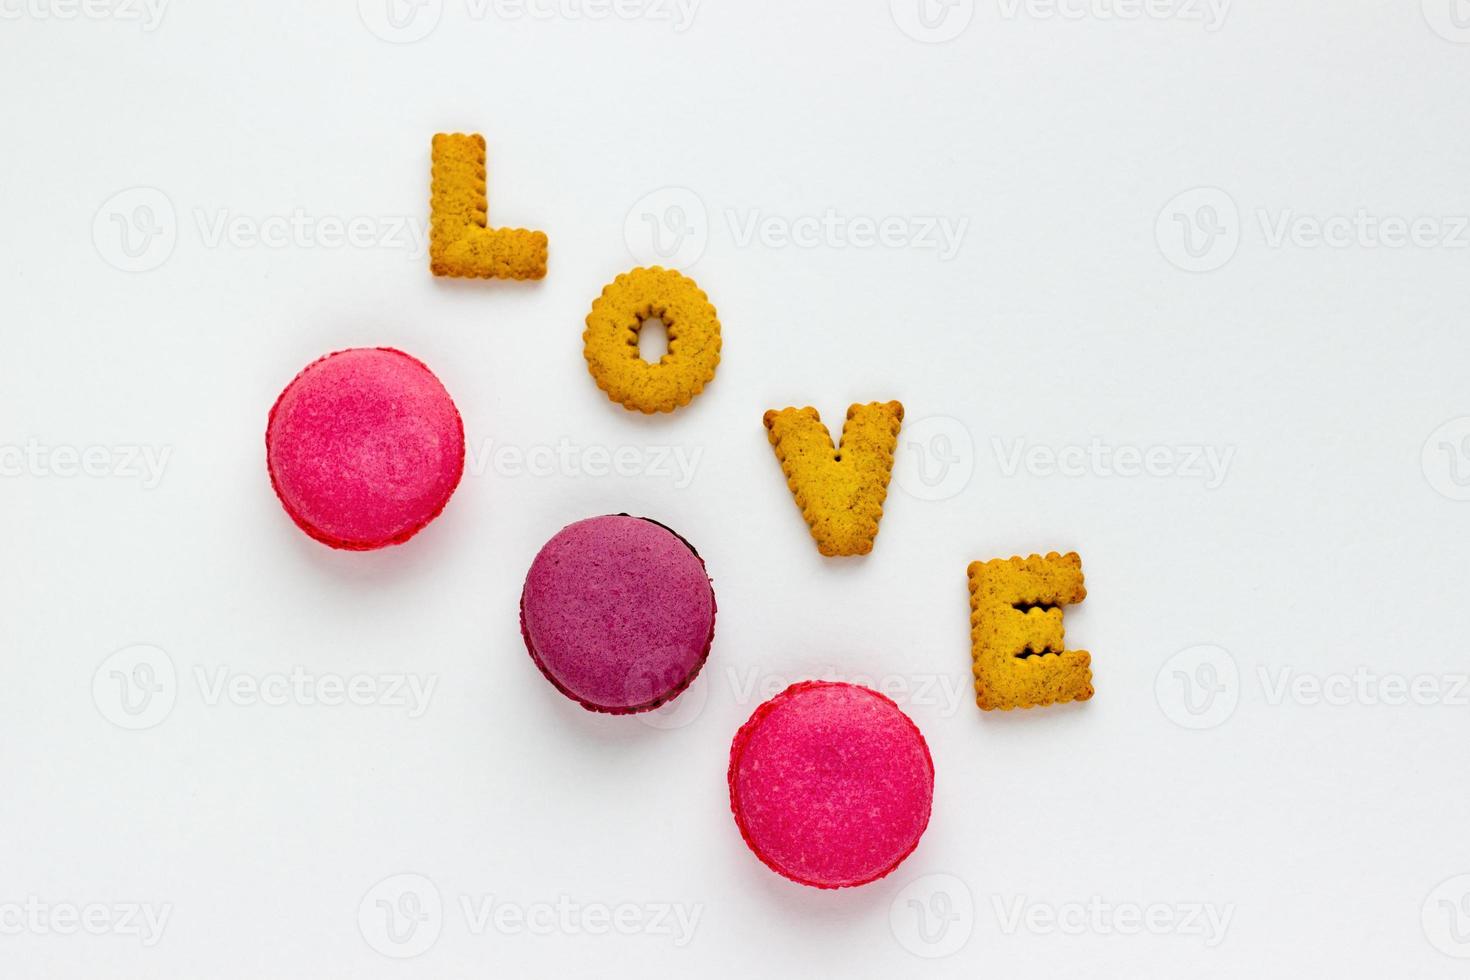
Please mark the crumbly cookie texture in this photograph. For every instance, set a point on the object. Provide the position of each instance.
(1016, 633)
(841, 489)
(460, 241)
(610, 342)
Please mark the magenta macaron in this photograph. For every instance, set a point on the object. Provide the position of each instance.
(831, 784)
(364, 448)
(618, 613)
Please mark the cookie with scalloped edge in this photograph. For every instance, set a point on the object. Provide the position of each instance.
(839, 489)
(461, 243)
(1016, 632)
(610, 342)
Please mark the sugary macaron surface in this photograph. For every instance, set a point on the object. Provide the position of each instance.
(831, 784)
(618, 613)
(364, 448)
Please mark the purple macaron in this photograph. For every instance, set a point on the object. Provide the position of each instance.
(618, 613)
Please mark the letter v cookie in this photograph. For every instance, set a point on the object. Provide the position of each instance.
(841, 489)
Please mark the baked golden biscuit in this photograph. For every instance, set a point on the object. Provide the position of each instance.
(460, 243)
(840, 490)
(1016, 632)
(610, 342)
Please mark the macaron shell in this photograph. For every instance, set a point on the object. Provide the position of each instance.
(831, 784)
(364, 448)
(618, 613)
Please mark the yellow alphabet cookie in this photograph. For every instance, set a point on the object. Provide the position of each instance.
(840, 490)
(610, 342)
(460, 243)
(1016, 632)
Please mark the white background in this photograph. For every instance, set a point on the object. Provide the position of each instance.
(1330, 834)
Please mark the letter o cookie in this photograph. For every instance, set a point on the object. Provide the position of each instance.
(610, 342)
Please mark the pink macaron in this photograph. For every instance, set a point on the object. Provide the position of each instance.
(831, 784)
(618, 613)
(364, 448)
